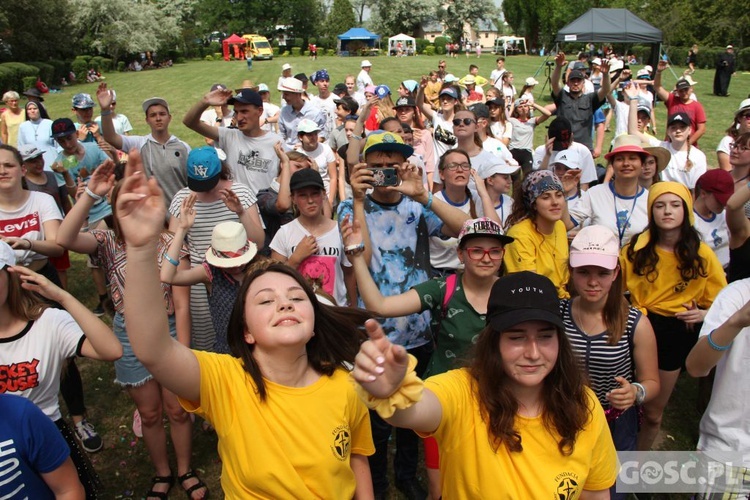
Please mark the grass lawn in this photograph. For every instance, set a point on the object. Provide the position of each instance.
(124, 464)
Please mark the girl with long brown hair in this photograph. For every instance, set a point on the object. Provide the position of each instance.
(520, 410)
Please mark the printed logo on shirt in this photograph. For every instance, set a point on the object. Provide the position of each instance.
(320, 269)
(342, 442)
(567, 485)
(18, 227)
(19, 377)
(253, 161)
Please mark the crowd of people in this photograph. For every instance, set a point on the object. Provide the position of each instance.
(356, 259)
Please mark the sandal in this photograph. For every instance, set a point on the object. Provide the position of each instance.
(161, 495)
(189, 491)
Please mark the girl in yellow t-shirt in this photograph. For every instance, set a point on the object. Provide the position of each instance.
(541, 244)
(673, 277)
(521, 411)
(289, 422)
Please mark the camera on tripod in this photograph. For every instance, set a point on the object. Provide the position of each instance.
(550, 63)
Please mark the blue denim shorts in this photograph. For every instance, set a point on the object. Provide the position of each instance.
(129, 372)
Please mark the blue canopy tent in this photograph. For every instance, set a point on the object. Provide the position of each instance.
(356, 37)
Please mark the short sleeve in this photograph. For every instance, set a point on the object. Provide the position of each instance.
(126, 126)
(47, 449)
(65, 331)
(48, 209)
(247, 198)
(582, 211)
(216, 401)
(521, 254)
(431, 294)
(716, 280)
(132, 142)
(727, 302)
(174, 206)
(454, 392)
(359, 424)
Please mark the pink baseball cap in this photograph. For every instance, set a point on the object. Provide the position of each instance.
(595, 246)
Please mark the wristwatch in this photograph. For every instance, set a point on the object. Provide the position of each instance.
(640, 393)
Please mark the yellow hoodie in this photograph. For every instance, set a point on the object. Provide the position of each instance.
(665, 292)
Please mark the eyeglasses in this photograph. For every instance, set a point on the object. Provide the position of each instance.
(456, 166)
(739, 147)
(746, 116)
(441, 67)
(478, 253)
(465, 121)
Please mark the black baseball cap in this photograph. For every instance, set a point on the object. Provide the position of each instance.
(306, 177)
(576, 74)
(63, 127)
(520, 297)
(246, 96)
(340, 88)
(480, 110)
(679, 117)
(560, 129)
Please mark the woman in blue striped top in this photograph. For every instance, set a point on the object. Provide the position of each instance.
(614, 343)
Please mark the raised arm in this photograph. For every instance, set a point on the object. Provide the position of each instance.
(249, 217)
(661, 92)
(737, 222)
(104, 96)
(141, 212)
(69, 233)
(545, 113)
(192, 118)
(425, 107)
(381, 369)
(411, 186)
(554, 81)
(391, 306)
(488, 207)
(606, 88)
(171, 273)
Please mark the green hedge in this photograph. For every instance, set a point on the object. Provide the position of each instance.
(296, 51)
(742, 59)
(429, 50)
(440, 44)
(422, 44)
(330, 52)
(80, 67)
(296, 42)
(12, 76)
(46, 71)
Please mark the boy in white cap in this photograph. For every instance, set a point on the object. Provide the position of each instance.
(321, 153)
(363, 78)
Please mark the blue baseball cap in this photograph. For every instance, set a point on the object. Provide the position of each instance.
(203, 169)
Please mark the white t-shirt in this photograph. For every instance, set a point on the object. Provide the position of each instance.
(438, 122)
(676, 171)
(622, 110)
(253, 160)
(329, 109)
(269, 110)
(504, 208)
(322, 156)
(363, 80)
(121, 123)
(725, 424)
(210, 116)
(325, 265)
(497, 148)
(624, 216)
(496, 77)
(27, 221)
(588, 168)
(724, 144)
(443, 251)
(500, 131)
(715, 233)
(31, 361)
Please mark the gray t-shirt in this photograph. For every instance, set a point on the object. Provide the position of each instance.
(167, 163)
(523, 134)
(252, 159)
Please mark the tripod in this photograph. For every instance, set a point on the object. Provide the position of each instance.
(547, 65)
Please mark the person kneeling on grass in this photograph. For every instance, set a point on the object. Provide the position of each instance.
(519, 420)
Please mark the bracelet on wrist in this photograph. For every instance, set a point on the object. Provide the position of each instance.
(29, 243)
(106, 112)
(640, 392)
(715, 346)
(354, 249)
(429, 200)
(171, 260)
(93, 195)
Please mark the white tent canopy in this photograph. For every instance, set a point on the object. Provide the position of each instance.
(408, 45)
(503, 44)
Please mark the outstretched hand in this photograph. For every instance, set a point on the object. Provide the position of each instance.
(187, 212)
(104, 96)
(351, 231)
(103, 178)
(380, 366)
(140, 205)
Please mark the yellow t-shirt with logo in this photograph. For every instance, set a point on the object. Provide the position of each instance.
(667, 293)
(543, 254)
(471, 469)
(296, 444)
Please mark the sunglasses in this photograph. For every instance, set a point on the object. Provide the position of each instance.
(465, 121)
(478, 253)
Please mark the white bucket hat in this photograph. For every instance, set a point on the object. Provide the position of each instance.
(230, 246)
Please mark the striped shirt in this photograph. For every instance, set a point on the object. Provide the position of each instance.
(207, 216)
(601, 361)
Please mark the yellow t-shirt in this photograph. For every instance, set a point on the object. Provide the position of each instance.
(668, 292)
(543, 254)
(12, 122)
(471, 469)
(296, 444)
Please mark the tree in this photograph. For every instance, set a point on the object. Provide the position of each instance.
(455, 13)
(36, 30)
(341, 17)
(118, 27)
(359, 8)
(391, 17)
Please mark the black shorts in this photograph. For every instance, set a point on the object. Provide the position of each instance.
(674, 340)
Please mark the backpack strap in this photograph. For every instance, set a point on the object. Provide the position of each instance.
(450, 288)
